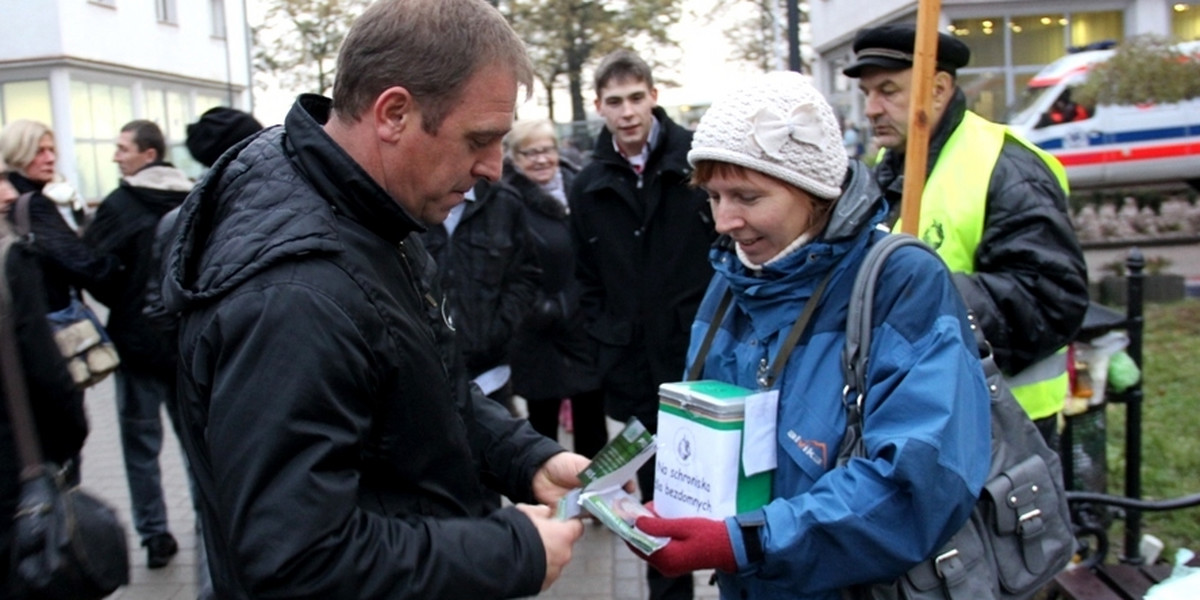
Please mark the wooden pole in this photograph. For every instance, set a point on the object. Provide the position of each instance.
(920, 114)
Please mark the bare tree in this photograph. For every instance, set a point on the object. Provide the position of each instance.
(564, 36)
(298, 41)
(758, 30)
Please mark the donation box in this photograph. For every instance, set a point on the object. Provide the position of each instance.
(698, 469)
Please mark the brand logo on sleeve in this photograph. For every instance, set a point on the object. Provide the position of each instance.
(813, 449)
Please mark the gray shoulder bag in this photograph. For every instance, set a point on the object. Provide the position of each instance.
(1018, 536)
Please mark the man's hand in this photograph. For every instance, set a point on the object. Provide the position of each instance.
(558, 475)
(558, 538)
(696, 544)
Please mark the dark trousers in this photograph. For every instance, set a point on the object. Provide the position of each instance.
(587, 415)
(141, 396)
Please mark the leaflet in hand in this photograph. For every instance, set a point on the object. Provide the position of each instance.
(602, 493)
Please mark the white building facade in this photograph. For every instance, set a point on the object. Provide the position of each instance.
(87, 67)
(1010, 41)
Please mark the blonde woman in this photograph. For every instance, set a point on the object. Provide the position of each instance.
(68, 264)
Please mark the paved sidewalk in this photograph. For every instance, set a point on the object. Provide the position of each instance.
(602, 568)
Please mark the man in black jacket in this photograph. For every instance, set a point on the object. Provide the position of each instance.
(124, 227)
(489, 272)
(641, 235)
(995, 208)
(337, 448)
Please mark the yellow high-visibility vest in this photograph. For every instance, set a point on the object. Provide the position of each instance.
(953, 210)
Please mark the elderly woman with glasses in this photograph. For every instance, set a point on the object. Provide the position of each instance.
(552, 356)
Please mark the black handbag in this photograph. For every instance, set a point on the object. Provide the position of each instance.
(1018, 536)
(66, 544)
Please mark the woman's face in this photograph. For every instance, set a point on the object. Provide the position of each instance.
(537, 159)
(762, 214)
(8, 195)
(41, 168)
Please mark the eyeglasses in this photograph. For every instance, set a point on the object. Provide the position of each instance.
(536, 152)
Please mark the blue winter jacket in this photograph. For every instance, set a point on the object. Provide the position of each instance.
(926, 426)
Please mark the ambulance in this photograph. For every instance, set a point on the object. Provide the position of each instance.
(1109, 145)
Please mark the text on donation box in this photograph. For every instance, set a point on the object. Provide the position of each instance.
(697, 469)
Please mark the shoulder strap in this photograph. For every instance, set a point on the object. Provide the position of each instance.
(15, 390)
(765, 380)
(857, 351)
(698, 365)
(21, 214)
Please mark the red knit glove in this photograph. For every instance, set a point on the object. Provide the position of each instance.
(696, 544)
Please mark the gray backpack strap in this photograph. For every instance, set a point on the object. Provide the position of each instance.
(856, 353)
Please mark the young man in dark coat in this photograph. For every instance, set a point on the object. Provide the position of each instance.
(642, 236)
(337, 448)
(124, 227)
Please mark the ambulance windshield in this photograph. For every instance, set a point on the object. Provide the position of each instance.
(1025, 109)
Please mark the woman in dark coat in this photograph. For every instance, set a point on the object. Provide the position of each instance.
(552, 357)
(57, 408)
(67, 263)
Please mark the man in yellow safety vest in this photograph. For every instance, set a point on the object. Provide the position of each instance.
(995, 208)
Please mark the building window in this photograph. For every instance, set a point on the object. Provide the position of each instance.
(166, 11)
(986, 92)
(217, 10)
(1038, 39)
(1185, 22)
(1091, 27)
(98, 111)
(26, 100)
(985, 38)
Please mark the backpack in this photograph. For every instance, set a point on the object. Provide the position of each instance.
(1018, 536)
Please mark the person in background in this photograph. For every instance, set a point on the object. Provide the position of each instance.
(552, 357)
(29, 149)
(852, 140)
(488, 269)
(337, 447)
(57, 407)
(994, 206)
(795, 217)
(68, 264)
(217, 130)
(641, 234)
(124, 227)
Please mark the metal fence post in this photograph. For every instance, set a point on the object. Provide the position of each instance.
(1135, 264)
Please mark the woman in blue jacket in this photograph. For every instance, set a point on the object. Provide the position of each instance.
(793, 211)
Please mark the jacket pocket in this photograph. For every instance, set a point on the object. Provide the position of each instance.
(489, 256)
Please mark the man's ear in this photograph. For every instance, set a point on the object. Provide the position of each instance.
(943, 90)
(394, 111)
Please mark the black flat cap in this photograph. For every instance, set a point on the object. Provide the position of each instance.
(891, 47)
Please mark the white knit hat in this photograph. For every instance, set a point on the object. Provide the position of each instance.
(779, 125)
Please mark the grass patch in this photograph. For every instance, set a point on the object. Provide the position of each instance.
(1170, 427)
